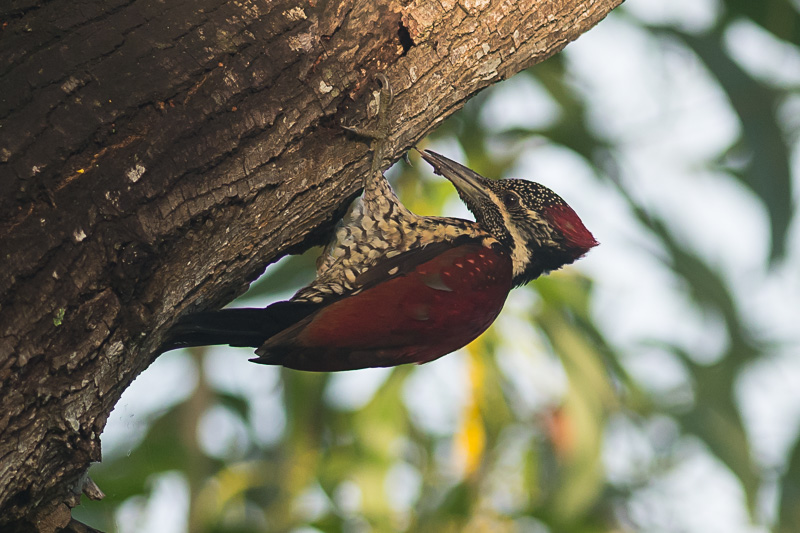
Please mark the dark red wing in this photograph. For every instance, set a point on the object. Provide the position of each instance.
(254, 327)
(434, 307)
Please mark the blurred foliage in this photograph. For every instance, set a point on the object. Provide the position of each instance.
(515, 457)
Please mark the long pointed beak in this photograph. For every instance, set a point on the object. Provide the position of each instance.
(468, 182)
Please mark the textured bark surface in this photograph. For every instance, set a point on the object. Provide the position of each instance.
(156, 156)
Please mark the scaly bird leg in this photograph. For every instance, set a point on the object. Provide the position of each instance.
(378, 134)
(378, 197)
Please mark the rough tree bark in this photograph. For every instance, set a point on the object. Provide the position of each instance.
(156, 156)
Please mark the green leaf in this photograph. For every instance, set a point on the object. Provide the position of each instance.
(789, 514)
(778, 17)
(714, 418)
(763, 148)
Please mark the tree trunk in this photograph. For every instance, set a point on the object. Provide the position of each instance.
(156, 156)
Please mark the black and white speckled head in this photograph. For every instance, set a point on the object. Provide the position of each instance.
(540, 231)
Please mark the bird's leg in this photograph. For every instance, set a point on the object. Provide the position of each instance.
(378, 134)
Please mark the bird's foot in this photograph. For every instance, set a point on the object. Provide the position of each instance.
(378, 106)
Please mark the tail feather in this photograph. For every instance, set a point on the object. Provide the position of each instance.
(235, 327)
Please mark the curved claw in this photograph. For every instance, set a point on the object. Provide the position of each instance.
(386, 89)
(383, 100)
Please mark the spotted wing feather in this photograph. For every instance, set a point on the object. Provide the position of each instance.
(376, 228)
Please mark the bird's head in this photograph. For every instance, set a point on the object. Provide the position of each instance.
(541, 232)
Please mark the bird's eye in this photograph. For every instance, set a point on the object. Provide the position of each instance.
(510, 199)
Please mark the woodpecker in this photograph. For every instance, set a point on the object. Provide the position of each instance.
(393, 287)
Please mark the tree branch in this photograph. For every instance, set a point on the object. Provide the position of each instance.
(157, 156)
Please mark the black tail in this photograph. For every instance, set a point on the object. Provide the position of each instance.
(235, 327)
